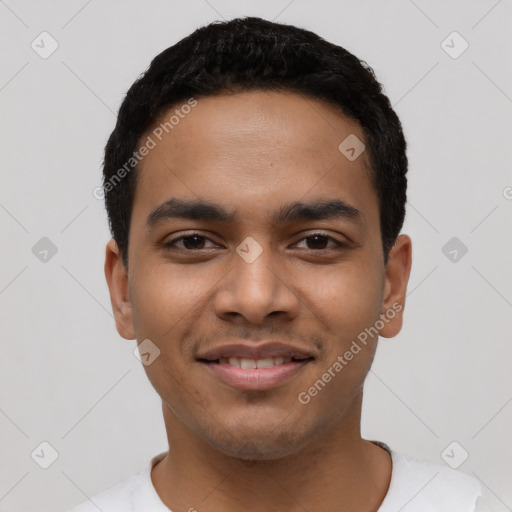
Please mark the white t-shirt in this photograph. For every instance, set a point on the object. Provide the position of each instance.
(416, 486)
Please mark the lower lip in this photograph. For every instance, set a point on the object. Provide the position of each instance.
(258, 378)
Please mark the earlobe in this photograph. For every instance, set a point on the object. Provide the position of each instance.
(398, 270)
(117, 280)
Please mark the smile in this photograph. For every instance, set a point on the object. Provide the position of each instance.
(255, 374)
(251, 364)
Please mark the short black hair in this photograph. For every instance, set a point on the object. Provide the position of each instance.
(246, 54)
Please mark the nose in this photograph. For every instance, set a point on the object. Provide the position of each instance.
(255, 290)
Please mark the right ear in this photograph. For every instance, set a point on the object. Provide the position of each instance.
(117, 280)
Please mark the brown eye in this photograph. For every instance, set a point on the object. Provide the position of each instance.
(191, 242)
(319, 241)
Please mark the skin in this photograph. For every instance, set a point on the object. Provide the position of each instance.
(252, 153)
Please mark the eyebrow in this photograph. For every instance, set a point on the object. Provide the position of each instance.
(328, 209)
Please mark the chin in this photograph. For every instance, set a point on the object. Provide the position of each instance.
(268, 443)
(253, 451)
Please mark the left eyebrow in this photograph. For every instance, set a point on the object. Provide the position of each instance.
(317, 210)
(295, 211)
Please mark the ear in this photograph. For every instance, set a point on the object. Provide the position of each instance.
(117, 280)
(398, 270)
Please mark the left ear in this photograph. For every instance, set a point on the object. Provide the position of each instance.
(398, 269)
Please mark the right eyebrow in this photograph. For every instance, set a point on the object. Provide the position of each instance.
(175, 208)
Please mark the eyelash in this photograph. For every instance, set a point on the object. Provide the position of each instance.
(171, 244)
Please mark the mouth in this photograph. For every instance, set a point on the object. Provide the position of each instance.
(253, 364)
(255, 374)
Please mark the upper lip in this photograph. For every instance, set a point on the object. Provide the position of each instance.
(262, 351)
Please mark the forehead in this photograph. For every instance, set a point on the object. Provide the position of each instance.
(253, 148)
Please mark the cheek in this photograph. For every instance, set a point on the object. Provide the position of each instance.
(167, 304)
(346, 299)
(343, 305)
(166, 298)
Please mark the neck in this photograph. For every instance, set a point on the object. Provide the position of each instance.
(340, 471)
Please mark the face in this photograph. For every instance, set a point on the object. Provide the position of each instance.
(255, 263)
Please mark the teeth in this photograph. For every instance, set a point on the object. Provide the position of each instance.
(251, 364)
(265, 363)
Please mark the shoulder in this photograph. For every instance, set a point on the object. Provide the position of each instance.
(114, 499)
(133, 493)
(429, 486)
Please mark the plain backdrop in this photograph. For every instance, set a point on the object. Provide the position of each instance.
(443, 386)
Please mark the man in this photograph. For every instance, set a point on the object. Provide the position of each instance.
(255, 184)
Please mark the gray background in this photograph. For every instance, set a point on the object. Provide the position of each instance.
(69, 379)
